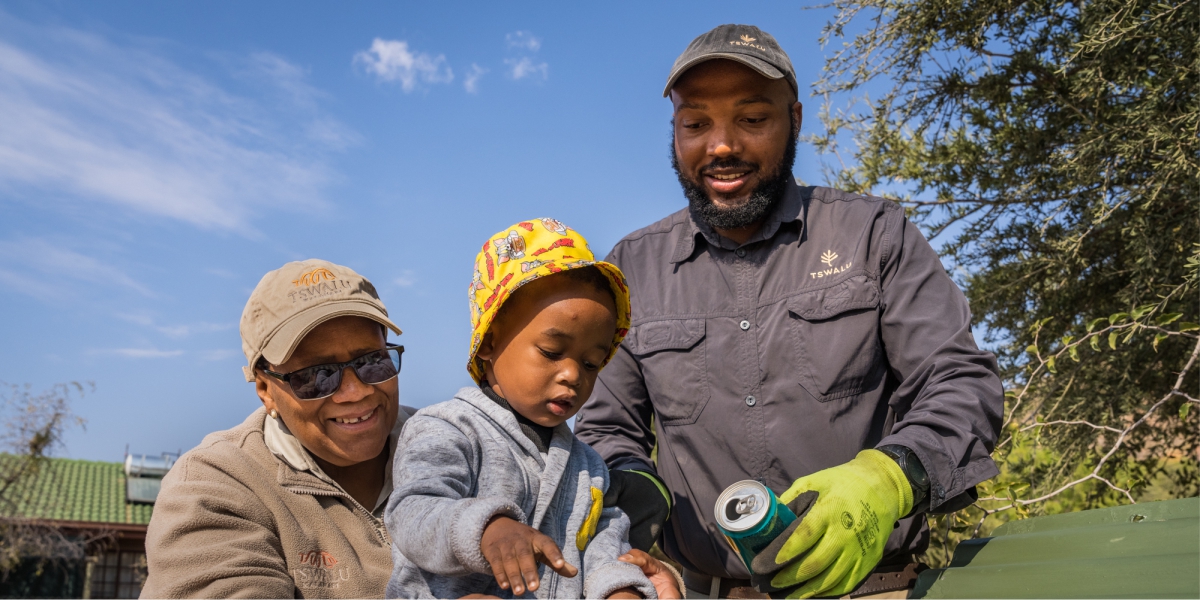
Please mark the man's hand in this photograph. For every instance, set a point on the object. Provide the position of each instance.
(644, 498)
(840, 538)
(662, 577)
(513, 550)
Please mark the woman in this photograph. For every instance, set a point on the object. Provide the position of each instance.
(288, 503)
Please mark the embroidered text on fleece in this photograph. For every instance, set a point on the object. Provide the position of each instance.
(460, 463)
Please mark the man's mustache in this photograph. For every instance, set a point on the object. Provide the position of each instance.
(728, 163)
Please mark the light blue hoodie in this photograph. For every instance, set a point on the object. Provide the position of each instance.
(460, 463)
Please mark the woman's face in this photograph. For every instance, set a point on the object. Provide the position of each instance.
(321, 424)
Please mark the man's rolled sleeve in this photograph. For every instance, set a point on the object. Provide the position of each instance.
(950, 398)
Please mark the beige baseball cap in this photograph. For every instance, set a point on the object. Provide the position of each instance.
(292, 300)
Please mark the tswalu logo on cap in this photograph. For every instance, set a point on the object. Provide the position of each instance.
(747, 41)
(314, 277)
(317, 283)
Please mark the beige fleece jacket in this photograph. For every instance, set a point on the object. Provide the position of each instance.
(249, 514)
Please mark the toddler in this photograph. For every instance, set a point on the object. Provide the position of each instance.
(493, 493)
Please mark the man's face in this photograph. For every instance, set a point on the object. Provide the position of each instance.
(734, 141)
(353, 424)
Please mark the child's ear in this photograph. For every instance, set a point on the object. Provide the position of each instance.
(486, 351)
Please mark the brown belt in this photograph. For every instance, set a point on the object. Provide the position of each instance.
(886, 579)
(729, 588)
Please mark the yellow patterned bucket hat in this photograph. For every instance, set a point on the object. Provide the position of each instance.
(522, 253)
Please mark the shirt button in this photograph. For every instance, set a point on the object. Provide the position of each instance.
(740, 252)
(751, 400)
(744, 325)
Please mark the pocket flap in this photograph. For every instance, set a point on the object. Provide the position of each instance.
(674, 334)
(855, 293)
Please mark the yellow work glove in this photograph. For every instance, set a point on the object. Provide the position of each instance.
(844, 517)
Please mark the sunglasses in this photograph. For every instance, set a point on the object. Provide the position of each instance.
(321, 381)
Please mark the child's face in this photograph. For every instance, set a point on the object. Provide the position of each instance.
(544, 354)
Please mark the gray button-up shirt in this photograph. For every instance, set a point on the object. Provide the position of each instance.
(834, 329)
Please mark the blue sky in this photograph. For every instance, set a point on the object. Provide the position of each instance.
(156, 159)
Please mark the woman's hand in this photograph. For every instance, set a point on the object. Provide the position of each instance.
(513, 550)
(663, 578)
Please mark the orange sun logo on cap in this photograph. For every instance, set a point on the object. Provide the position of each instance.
(746, 38)
(314, 277)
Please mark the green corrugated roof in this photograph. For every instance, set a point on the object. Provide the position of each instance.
(1149, 550)
(77, 490)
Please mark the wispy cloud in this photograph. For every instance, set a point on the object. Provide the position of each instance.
(216, 355)
(471, 81)
(393, 61)
(137, 352)
(30, 285)
(44, 265)
(222, 273)
(175, 331)
(144, 320)
(178, 331)
(520, 68)
(286, 76)
(524, 40)
(406, 279)
(290, 81)
(524, 64)
(87, 119)
(331, 133)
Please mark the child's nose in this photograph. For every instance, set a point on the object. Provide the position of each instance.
(571, 373)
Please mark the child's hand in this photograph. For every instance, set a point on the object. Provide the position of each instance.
(625, 593)
(513, 550)
(659, 575)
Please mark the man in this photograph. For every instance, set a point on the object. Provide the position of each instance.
(803, 337)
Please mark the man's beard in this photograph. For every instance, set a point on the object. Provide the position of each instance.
(763, 199)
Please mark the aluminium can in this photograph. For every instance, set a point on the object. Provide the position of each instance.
(751, 516)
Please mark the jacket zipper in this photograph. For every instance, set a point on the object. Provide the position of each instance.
(370, 517)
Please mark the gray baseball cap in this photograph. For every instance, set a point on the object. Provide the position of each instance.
(746, 44)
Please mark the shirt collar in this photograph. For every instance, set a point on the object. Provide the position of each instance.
(790, 209)
(287, 447)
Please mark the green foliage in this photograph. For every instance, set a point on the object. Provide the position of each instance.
(1056, 144)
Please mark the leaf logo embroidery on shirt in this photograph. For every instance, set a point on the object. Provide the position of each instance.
(587, 531)
(828, 257)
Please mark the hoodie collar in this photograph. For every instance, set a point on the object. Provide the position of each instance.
(507, 420)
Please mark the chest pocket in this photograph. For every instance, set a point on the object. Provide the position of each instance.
(671, 354)
(837, 339)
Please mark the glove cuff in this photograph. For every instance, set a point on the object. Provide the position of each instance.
(662, 489)
(890, 474)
